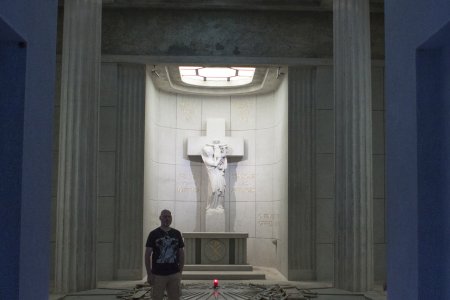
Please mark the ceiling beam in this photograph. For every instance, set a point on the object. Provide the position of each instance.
(265, 5)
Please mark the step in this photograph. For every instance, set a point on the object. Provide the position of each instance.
(222, 275)
(218, 268)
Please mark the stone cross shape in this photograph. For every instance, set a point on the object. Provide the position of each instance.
(215, 135)
(215, 130)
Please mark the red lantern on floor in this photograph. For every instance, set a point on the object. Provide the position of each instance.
(216, 283)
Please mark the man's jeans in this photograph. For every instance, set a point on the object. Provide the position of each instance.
(171, 283)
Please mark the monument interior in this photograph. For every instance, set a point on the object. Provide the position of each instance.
(278, 172)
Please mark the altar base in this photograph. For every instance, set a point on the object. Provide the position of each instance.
(215, 248)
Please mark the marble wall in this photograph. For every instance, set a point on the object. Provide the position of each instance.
(324, 183)
(107, 176)
(280, 178)
(256, 183)
(106, 170)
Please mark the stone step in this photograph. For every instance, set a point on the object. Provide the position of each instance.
(223, 275)
(218, 268)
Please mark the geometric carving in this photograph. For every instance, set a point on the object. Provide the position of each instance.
(215, 250)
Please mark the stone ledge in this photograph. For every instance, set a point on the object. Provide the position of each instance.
(218, 268)
(223, 275)
(215, 235)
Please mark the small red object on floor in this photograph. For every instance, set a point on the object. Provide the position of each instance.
(216, 283)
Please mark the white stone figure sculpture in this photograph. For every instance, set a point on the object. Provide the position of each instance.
(215, 158)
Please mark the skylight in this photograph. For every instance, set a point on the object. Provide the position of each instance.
(217, 76)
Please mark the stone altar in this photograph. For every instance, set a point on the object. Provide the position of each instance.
(215, 248)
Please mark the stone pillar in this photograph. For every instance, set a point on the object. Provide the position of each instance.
(130, 172)
(353, 110)
(301, 203)
(77, 186)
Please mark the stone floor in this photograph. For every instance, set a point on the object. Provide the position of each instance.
(269, 289)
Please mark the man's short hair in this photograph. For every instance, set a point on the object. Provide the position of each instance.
(165, 211)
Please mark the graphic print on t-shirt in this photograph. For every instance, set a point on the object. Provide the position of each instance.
(168, 247)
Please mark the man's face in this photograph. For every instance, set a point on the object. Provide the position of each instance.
(165, 218)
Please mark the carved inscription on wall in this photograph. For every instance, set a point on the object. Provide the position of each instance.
(265, 219)
(186, 110)
(185, 183)
(243, 110)
(244, 182)
(185, 187)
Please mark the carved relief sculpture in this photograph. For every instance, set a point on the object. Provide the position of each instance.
(215, 158)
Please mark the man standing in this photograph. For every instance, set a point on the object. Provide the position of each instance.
(164, 259)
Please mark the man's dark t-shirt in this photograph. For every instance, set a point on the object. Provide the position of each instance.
(165, 245)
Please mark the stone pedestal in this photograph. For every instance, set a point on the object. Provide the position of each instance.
(215, 220)
(77, 186)
(353, 111)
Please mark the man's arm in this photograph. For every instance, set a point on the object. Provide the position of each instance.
(148, 263)
(181, 259)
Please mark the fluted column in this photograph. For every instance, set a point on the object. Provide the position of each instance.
(77, 191)
(352, 89)
(301, 203)
(130, 172)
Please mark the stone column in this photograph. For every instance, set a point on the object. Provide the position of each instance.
(353, 110)
(128, 243)
(77, 186)
(301, 203)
